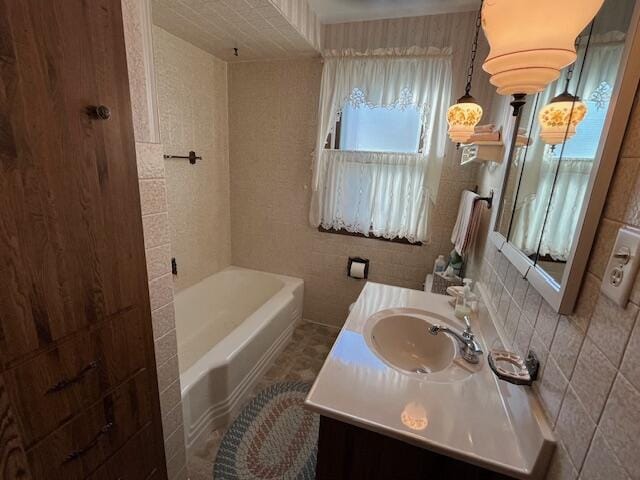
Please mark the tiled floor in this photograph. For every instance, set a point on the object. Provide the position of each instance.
(299, 361)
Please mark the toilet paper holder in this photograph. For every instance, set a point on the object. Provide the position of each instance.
(356, 260)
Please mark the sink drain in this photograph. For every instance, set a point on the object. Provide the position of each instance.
(422, 371)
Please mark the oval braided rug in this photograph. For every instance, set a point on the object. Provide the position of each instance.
(274, 437)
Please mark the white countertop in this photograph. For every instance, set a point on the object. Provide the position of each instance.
(480, 419)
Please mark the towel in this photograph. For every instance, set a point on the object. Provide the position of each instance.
(463, 222)
(474, 224)
(485, 137)
(488, 128)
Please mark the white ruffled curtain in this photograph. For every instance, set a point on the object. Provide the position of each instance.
(537, 190)
(373, 192)
(419, 77)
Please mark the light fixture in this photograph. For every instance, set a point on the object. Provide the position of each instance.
(560, 117)
(466, 113)
(531, 42)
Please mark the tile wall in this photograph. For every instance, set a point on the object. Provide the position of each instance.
(155, 220)
(272, 127)
(590, 382)
(192, 104)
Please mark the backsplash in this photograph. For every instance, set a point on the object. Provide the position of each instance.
(192, 103)
(590, 381)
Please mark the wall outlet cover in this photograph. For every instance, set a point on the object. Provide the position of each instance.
(622, 268)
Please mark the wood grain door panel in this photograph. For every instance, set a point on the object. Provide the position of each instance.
(70, 228)
(131, 462)
(13, 461)
(54, 386)
(78, 448)
(77, 367)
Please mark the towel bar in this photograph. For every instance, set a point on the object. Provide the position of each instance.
(192, 157)
(488, 199)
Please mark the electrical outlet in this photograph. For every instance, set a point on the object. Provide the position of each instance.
(622, 267)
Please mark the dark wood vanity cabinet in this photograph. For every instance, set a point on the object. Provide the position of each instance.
(78, 388)
(347, 452)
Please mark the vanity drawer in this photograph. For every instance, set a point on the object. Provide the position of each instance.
(51, 388)
(78, 448)
(134, 461)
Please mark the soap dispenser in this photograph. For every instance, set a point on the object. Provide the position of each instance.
(463, 303)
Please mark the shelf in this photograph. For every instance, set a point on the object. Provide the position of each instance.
(482, 152)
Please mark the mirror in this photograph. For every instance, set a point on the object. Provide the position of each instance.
(571, 150)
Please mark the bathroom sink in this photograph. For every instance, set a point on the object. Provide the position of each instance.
(401, 338)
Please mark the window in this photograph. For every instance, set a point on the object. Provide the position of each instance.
(584, 144)
(380, 129)
(377, 169)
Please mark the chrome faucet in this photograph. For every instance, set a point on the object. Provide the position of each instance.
(471, 350)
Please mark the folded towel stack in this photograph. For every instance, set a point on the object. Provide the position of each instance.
(485, 133)
(488, 128)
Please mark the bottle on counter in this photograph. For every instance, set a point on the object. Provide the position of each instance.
(440, 264)
(463, 303)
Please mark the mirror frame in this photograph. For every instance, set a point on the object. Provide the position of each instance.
(562, 297)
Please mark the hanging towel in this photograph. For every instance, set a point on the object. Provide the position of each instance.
(464, 221)
(476, 216)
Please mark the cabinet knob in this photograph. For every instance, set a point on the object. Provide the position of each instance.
(101, 112)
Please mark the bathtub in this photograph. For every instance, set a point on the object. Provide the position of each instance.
(230, 326)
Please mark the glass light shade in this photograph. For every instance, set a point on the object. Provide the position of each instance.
(560, 118)
(531, 42)
(463, 118)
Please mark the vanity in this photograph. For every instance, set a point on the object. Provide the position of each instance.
(400, 402)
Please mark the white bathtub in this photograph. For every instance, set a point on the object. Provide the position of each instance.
(230, 326)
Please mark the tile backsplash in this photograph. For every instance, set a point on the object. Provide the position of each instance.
(590, 381)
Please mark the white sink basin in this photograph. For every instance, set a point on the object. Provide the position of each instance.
(400, 337)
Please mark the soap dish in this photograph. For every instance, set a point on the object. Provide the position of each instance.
(512, 368)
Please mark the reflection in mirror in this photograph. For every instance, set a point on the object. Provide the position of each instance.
(515, 171)
(553, 179)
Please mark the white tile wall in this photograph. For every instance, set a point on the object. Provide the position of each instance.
(590, 385)
(153, 197)
(192, 102)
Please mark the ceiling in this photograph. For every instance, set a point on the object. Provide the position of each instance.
(340, 11)
(256, 27)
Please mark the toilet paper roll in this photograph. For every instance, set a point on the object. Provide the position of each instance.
(357, 270)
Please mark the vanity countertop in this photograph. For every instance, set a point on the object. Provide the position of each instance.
(480, 419)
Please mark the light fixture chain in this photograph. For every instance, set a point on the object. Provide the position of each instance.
(474, 50)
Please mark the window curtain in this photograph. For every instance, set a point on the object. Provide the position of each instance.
(381, 193)
(536, 190)
(389, 78)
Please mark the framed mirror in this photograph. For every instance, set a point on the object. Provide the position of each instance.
(557, 174)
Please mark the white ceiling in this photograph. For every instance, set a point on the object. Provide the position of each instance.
(340, 11)
(256, 27)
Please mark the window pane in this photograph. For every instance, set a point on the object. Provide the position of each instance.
(584, 144)
(380, 129)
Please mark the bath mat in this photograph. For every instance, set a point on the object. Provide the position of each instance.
(273, 438)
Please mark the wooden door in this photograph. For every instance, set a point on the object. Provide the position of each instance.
(76, 348)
